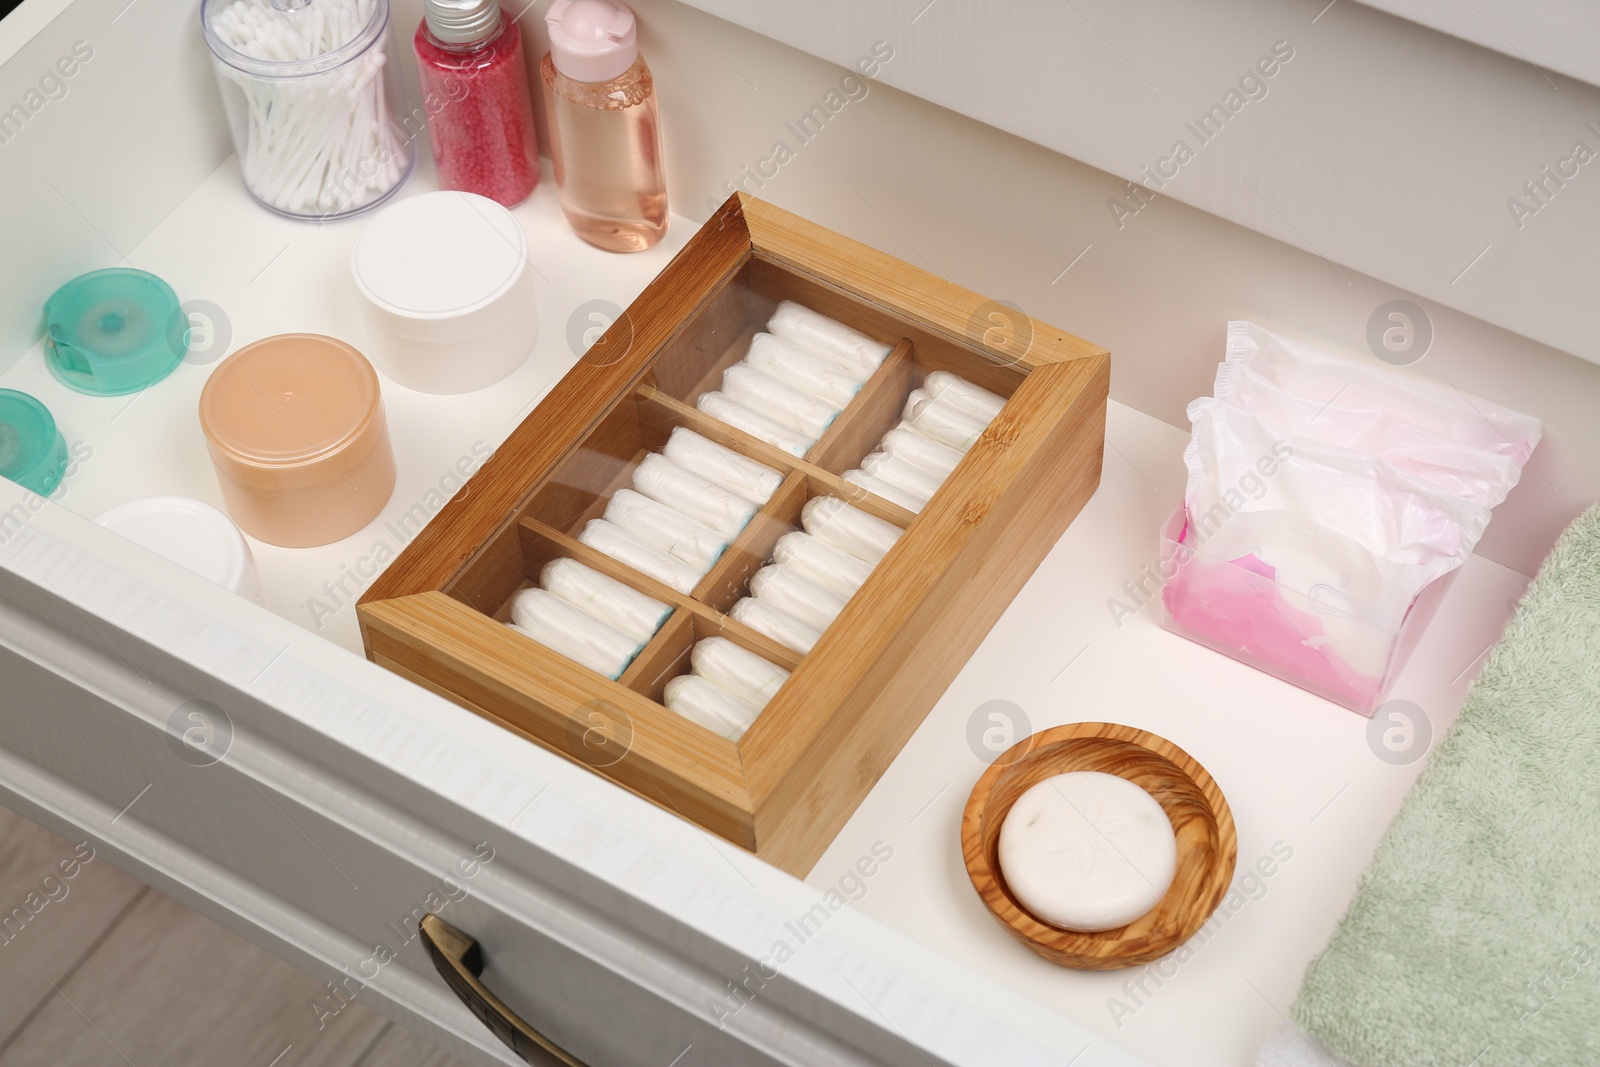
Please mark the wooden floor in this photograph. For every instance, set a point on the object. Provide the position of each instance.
(98, 969)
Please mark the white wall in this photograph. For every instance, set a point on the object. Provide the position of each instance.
(991, 210)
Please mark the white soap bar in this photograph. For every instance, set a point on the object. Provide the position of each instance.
(663, 481)
(828, 338)
(556, 624)
(741, 672)
(821, 562)
(885, 490)
(904, 443)
(766, 618)
(760, 391)
(819, 377)
(789, 591)
(740, 475)
(605, 598)
(1087, 851)
(709, 705)
(622, 546)
(724, 407)
(667, 528)
(845, 526)
(963, 395)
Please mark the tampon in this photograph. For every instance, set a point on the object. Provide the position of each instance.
(716, 709)
(605, 598)
(666, 528)
(902, 475)
(776, 623)
(724, 407)
(964, 396)
(825, 337)
(622, 546)
(821, 562)
(887, 490)
(938, 421)
(569, 630)
(799, 368)
(864, 536)
(741, 475)
(801, 597)
(760, 391)
(902, 442)
(739, 671)
(663, 481)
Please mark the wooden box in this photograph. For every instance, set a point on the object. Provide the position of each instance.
(784, 789)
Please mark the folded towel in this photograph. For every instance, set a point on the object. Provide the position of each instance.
(1472, 938)
(1288, 1047)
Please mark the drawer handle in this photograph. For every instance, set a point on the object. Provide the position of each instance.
(459, 961)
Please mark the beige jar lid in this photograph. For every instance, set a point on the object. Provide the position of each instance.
(292, 410)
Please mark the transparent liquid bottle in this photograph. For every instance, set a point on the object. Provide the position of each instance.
(605, 127)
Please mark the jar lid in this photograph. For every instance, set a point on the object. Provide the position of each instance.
(191, 534)
(592, 40)
(115, 331)
(291, 410)
(32, 452)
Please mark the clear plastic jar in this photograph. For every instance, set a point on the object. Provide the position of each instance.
(310, 89)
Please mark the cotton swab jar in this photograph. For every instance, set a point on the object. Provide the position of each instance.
(311, 96)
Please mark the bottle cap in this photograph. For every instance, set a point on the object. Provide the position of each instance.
(115, 331)
(461, 21)
(190, 534)
(592, 40)
(32, 452)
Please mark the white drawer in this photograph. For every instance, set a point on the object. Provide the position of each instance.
(348, 795)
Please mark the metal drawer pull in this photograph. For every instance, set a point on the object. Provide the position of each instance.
(460, 961)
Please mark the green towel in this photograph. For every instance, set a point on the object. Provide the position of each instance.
(1474, 938)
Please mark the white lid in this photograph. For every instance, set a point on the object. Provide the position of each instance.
(592, 40)
(191, 534)
(437, 266)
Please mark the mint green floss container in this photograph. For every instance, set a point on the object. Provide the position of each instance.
(114, 331)
(32, 451)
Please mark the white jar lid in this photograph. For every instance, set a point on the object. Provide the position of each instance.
(190, 534)
(442, 266)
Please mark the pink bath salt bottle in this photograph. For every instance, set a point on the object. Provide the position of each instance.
(604, 125)
(476, 96)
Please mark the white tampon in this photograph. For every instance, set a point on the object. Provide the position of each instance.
(904, 443)
(964, 396)
(914, 404)
(760, 391)
(866, 537)
(902, 475)
(825, 337)
(666, 528)
(622, 546)
(724, 407)
(796, 594)
(795, 366)
(605, 598)
(776, 623)
(741, 475)
(662, 480)
(821, 562)
(556, 624)
(739, 671)
(712, 707)
(886, 490)
(938, 421)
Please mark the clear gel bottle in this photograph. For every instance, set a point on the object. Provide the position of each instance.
(605, 128)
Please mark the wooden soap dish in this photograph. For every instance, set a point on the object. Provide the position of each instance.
(1207, 844)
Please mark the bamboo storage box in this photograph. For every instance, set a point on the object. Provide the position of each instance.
(789, 784)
